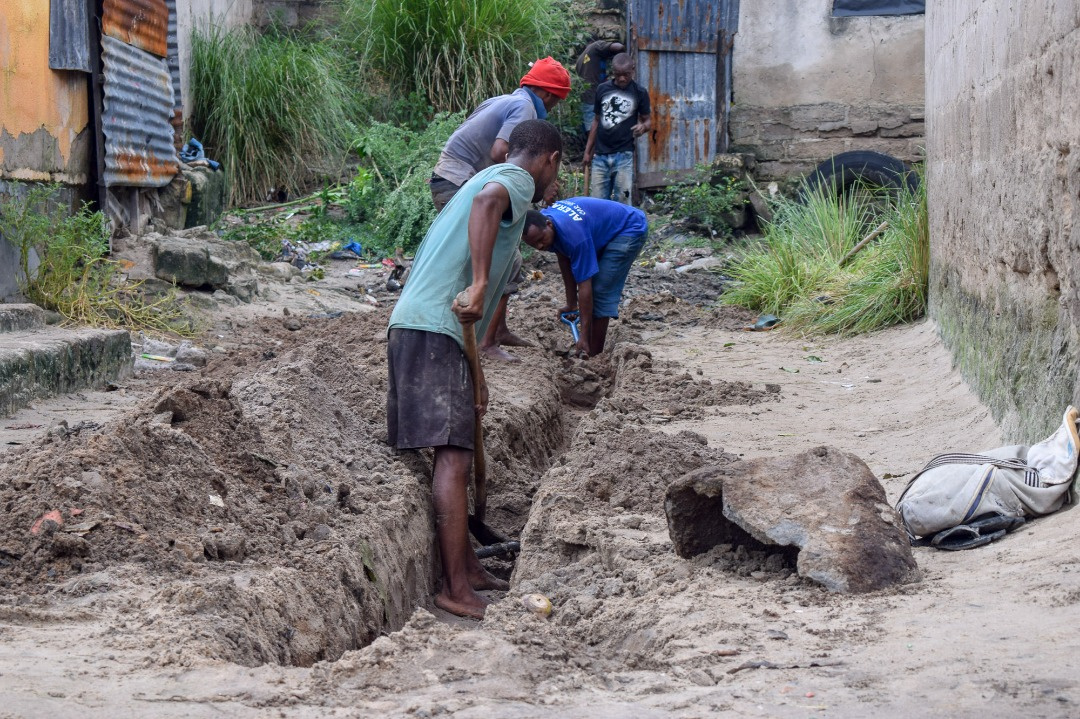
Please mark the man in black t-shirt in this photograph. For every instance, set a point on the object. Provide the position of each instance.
(592, 68)
(622, 114)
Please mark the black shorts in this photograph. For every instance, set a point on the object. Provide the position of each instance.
(429, 399)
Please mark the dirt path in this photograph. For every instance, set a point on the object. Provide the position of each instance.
(636, 632)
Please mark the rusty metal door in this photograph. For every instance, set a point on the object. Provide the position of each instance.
(683, 59)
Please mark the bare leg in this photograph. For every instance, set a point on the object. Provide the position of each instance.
(489, 345)
(448, 493)
(599, 334)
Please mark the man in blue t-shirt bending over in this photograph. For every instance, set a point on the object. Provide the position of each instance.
(596, 242)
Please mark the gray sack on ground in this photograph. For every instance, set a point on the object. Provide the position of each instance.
(1017, 481)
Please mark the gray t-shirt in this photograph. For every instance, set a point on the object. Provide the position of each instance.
(469, 149)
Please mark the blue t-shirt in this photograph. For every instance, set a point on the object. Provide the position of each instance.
(585, 225)
(443, 264)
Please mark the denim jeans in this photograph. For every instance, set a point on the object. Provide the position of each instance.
(616, 259)
(613, 177)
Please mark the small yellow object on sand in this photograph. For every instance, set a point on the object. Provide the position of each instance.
(537, 604)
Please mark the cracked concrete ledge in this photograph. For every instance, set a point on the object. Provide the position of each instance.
(38, 363)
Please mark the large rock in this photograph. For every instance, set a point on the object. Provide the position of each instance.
(202, 260)
(825, 503)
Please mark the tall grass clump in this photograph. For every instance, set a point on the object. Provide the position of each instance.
(453, 53)
(802, 270)
(272, 108)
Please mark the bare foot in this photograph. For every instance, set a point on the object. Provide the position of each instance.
(472, 606)
(496, 352)
(510, 339)
(487, 580)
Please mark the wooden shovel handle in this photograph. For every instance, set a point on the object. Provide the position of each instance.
(468, 331)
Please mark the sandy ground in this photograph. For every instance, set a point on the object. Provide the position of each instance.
(636, 631)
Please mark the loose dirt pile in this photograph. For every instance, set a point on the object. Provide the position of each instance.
(243, 541)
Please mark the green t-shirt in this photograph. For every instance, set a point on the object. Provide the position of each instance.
(443, 265)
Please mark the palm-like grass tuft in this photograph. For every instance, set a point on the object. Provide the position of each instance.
(795, 271)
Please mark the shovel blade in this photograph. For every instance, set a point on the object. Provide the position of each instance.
(485, 534)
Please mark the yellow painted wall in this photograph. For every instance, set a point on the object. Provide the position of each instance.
(34, 98)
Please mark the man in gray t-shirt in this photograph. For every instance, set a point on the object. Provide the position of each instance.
(482, 141)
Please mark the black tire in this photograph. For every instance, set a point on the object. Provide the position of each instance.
(871, 169)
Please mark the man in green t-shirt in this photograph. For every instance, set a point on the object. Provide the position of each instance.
(469, 247)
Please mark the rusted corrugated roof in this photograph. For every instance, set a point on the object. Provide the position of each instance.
(138, 108)
(142, 23)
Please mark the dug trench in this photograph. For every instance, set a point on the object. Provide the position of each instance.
(255, 515)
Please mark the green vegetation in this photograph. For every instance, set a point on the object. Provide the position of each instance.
(400, 206)
(75, 278)
(274, 109)
(804, 269)
(453, 53)
(370, 90)
(706, 205)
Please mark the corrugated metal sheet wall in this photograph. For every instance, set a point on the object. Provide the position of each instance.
(139, 149)
(69, 35)
(142, 23)
(683, 55)
(173, 60)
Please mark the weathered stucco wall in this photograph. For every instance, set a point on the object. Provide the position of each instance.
(807, 86)
(1003, 173)
(204, 14)
(43, 112)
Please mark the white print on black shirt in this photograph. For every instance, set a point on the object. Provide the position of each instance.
(616, 107)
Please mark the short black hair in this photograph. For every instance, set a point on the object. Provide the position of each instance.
(534, 218)
(535, 137)
(622, 60)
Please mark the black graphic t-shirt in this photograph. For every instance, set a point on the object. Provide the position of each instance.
(617, 110)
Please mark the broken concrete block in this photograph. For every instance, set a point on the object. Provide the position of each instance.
(204, 261)
(187, 262)
(17, 317)
(824, 504)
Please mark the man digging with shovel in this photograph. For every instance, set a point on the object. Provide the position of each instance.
(468, 250)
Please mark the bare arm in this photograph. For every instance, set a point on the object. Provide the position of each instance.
(644, 124)
(569, 283)
(488, 207)
(585, 304)
(498, 151)
(591, 142)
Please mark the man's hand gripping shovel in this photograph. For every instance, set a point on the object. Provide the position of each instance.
(481, 531)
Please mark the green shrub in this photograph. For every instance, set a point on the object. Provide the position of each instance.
(706, 205)
(453, 53)
(274, 109)
(76, 278)
(801, 270)
(401, 161)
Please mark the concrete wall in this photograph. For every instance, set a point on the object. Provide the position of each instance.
(43, 112)
(204, 14)
(1003, 173)
(807, 86)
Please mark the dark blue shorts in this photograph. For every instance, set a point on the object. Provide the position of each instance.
(615, 262)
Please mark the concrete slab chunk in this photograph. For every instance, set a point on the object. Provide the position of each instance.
(824, 502)
(16, 317)
(52, 361)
